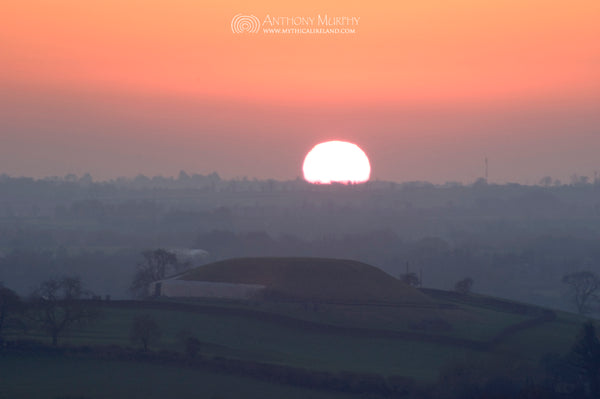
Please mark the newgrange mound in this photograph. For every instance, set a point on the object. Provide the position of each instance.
(311, 279)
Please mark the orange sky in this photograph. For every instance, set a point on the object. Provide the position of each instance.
(132, 64)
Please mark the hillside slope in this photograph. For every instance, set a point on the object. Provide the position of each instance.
(315, 279)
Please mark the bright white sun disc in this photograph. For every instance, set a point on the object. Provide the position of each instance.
(336, 161)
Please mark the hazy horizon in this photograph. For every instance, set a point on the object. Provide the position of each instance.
(426, 90)
(85, 137)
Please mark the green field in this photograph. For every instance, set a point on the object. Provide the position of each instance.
(30, 376)
(245, 337)
(287, 334)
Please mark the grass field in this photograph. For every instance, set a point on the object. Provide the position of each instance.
(260, 333)
(28, 377)
(533, 343)
(269, 341)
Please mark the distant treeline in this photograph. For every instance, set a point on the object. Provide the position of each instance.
(514, 241)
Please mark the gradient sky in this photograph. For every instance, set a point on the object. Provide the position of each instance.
(427, 88)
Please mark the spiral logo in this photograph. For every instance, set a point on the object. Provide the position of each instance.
(245, 23)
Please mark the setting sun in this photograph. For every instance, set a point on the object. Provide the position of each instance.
(336, 161)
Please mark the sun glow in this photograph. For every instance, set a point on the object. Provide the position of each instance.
(336, 161)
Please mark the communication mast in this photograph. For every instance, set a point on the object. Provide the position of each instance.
(486, 168)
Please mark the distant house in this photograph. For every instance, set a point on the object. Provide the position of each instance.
(193, 256)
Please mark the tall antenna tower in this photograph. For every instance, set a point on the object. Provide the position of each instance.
(486, 168)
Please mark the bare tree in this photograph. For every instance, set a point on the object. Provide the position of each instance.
(155, 266)
(190, 344)
(411, 279)
(583, 287)
(464, 286)
(546, 181)
(10, 306)
(585, 357)
(57, 305)
(145, 331)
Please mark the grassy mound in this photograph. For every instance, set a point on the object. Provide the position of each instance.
(314, 279)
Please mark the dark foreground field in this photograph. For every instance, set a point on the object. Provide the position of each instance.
(44, 376)
(283, 349)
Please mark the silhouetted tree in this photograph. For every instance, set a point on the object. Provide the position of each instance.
(191, 345)
(464, 286)
(546, 181)
(145, 331)
(585, 357)
(582, 289)
(410, 279)
(154, 267)
(57, 305)
(10, 306)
